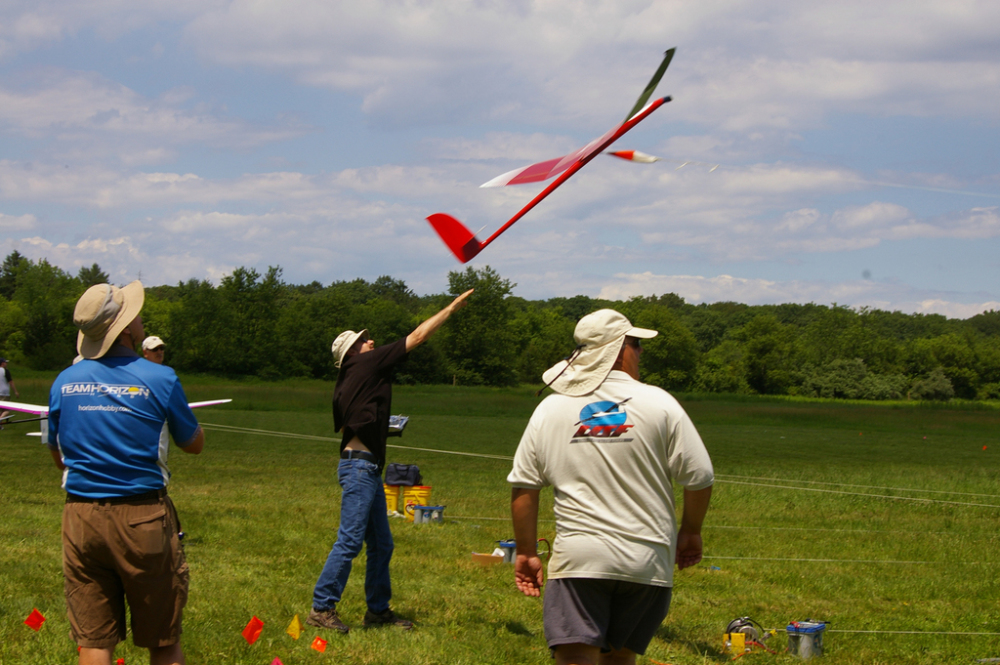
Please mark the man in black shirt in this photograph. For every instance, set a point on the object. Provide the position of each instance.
(362, 401)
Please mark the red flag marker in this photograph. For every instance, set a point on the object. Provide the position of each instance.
(252, 631)
(319, 644)
(984, 447)
(120, 661)
(35, 620)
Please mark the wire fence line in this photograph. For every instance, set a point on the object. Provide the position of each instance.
(871, 487)
(914, 499)
(721, 478)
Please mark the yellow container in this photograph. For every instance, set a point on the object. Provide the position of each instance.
(392, 497)
(417, 495)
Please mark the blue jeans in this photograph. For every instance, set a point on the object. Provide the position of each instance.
(363, 520)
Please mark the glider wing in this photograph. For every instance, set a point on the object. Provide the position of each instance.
(464, 244)
(21, 407)
(39, 410)
(211, 402)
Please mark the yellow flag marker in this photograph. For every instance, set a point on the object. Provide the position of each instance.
(294, 628)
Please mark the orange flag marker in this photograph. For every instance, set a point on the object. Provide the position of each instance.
(319, 644)
(35, 620)
(253, 629)
(294, 628)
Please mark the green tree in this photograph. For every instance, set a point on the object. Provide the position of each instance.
(92, 275)
(936, 386)
(544, 336)
(721, 370)
(480, 342)
(768, 360)
(12, 266)
(47, 295)
(670, 359)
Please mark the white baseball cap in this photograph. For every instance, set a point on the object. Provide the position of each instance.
(152, 342)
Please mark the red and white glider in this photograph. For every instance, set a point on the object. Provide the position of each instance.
(464, 244)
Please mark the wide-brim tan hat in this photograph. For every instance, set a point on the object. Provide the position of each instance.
(599, 338)
(102, 313)
(343, 344)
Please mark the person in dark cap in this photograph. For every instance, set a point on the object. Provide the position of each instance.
(120, 531)
(362, 402)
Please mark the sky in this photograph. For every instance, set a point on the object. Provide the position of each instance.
(857, 144)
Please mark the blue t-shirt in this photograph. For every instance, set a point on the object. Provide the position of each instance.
(106, 416)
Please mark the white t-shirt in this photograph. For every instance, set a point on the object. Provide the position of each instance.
(612, 457)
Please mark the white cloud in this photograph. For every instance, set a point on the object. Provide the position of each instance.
(86, 109)
(10, 223)
(739, 66)
(723, 288)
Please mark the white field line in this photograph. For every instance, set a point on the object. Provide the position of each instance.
(804, 560)
(231, 428)
(909, 632)
(873, 496)
(740, 527)
(870, 487)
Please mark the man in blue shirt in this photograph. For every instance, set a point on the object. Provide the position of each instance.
(120, 530)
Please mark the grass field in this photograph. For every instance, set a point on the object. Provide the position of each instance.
(883, 520)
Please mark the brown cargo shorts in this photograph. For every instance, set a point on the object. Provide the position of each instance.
(123, 550)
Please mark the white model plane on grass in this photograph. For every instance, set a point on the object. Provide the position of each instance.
(41, 414)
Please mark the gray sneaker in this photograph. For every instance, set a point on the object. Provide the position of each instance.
(387, 618)
(327, 619)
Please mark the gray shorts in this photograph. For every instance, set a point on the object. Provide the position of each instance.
(608, 614)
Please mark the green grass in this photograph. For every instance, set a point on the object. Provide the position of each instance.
(261, 513)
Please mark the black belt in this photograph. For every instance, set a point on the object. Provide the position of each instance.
(359, 454)
(152, 495)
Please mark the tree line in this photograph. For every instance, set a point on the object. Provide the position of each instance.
(255, 324)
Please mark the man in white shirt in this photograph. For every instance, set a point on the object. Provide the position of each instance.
(611, 447)
(6, 386)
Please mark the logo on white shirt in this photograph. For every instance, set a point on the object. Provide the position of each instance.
(603, 419)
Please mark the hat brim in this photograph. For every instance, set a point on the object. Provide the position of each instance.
(133, 295)
(590, 367)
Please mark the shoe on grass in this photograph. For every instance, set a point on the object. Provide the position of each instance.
(387, 618)
(327, 619)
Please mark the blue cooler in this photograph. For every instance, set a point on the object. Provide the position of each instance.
(805, 638)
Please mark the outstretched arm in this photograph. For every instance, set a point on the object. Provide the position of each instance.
(527, 566)
(689, 547)
(427, 328)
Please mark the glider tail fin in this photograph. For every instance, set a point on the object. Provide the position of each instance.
(460, 240)
(651, 86)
